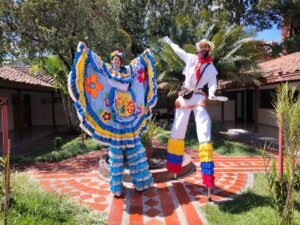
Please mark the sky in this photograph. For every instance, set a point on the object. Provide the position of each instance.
(269, 35)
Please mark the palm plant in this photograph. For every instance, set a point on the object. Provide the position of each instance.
(234, 54)
(288, 116)
(283, 181)
(152, 132)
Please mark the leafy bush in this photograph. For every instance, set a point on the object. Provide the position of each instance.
(35, 206)
(153, 132)
(70, 149)
(282, 184)
(57, 141)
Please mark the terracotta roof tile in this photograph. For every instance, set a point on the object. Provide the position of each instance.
(23, 75)
(284, 65)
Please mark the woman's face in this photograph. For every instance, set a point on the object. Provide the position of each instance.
(116, 61)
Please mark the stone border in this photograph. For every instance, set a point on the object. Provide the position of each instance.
(159, 175)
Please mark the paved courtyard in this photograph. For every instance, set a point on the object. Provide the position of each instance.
(173, 202)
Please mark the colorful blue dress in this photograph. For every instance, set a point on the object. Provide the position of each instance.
(113, 107)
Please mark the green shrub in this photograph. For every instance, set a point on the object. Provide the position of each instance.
(70, 149)
(35, 206)
(57, 141)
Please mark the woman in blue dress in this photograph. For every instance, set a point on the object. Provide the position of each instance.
(114, 103)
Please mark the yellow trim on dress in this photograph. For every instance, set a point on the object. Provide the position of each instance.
(80, 66)
(150, 76)
(80, 79)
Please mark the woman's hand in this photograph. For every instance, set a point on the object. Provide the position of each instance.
(82, 44)
(147, 50)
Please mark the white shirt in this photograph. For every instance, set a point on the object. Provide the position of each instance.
(209, 77)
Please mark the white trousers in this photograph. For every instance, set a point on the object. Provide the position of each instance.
(203, 123)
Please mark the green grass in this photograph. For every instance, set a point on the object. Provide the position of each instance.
(250, 208)
(227, 147)
(34, 206)
(70, 149)
(222, 145)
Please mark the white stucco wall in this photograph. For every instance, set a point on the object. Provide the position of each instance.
(229, 110)
(266, 117)
(214, 111)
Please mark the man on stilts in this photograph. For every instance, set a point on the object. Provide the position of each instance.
(198, 72)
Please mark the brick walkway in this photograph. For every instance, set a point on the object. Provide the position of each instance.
(173, 202)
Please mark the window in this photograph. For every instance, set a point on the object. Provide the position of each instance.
(267, 98)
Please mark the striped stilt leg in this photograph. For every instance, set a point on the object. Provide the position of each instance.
(206, 164)
(140, 174)
(175, 155)
(116, 170)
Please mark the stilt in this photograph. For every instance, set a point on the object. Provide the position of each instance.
(175, 176)
(208, 195)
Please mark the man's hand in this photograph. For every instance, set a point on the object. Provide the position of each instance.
(218, 98)
(211, 97)
(167, 40)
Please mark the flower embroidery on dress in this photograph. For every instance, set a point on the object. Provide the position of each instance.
(92, 86)
(124, 104)
(106, 116)
(142, 76)
(130, 107)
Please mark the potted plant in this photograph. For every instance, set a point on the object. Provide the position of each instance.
(153, 132)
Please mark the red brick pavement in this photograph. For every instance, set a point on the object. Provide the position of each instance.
(173, 202)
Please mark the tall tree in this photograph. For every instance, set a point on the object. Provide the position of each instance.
(290, 13)
(51, 26)
(36, 28)
(148, 20)
(2, 48)
(258, 14)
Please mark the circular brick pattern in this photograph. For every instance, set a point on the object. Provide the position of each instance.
(172, 202)
(159, 175)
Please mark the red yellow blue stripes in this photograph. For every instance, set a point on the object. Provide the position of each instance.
(205, 152)
(175, 155)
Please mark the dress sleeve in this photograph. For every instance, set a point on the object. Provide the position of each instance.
(137, 63)
(144, 83)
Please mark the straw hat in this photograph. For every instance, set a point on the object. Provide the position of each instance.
(205, 41)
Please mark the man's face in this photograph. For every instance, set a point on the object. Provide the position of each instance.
(116, 61)
(204, 50)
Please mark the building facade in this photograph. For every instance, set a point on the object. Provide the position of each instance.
(32, 100)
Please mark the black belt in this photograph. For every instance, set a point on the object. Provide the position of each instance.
(200, 92)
